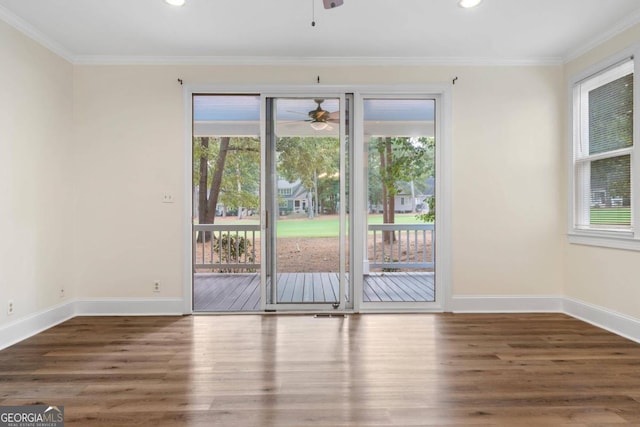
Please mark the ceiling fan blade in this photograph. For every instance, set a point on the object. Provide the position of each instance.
(330, 4)
(297, 112)
(321, 115)
(292, 122)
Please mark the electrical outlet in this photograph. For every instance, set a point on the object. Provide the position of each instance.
(156, 286)
(10, 307)
(167, 197)
(61, 292)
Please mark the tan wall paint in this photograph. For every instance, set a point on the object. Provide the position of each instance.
(600, 276)
(508, 174)
(36, 185)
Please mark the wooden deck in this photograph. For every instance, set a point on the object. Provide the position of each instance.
(215, 292)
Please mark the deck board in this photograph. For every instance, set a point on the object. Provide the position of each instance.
(413, 286)
(331, 285)
(220, 292)
(318, 292)
(297, 280)
(379, 290)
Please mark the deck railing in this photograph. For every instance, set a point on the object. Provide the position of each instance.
(411, 246)
(226, 247)
(234, 247)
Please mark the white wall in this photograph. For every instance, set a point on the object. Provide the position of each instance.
(607, 278)
(129, 151)
(36, 185)
(508, 209)
(86, 153)
(508, 195)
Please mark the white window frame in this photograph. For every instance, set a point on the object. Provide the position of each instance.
(601, 236)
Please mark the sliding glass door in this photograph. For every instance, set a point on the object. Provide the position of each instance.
(305, 163)
(399, 151)
(324, 201)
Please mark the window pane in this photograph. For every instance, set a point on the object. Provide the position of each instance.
(611, 191)
(399, 152)
(611, 115)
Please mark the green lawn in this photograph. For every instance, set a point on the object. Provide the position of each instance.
(327, 226)
(613, 216)
(322, 226)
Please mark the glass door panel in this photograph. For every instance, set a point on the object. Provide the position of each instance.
(226, 198)
(306, 203)
(399, 154)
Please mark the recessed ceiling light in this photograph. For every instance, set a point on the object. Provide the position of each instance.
(469, 3)
(175, 2)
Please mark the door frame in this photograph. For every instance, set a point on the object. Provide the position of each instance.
(268, 221)
(443, 203)
(443, 177)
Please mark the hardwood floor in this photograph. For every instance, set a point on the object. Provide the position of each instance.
(362, 370)
(218, 292)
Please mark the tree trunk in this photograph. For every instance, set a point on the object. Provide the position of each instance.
(309, 204)
(413, 197)
(388, 192)
(385, 198)
(216, 181)
(202, 186)
(391, 216)
(239, 188)
(315, 186)
(388, 204)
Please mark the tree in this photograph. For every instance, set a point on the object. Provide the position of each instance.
(225, 171)
(401, 160)
(241, 179)
(310, 160)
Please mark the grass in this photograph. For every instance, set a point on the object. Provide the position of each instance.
(321, 226)
(612, 216)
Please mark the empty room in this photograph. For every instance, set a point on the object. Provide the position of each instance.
(319, 213)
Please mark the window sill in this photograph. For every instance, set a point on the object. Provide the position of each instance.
(614, 240)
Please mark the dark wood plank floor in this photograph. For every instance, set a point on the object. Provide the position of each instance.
(362, 370)
(241, 292)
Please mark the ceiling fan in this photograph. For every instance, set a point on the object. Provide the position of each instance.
(319, 118)
(330, 4)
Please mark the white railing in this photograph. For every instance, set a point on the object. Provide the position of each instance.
(226, 247)
(411, 246)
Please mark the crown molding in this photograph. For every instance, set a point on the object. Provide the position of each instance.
(628, 22)
(313, 61)
(28, 30)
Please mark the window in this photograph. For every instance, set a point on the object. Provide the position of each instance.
(604, 203)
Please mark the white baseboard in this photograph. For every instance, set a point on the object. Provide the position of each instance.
(25, 327)
(506, 304)
(29, 326)
(601, 317)
(612, 321)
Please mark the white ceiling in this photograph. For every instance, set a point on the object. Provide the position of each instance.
(433, 31)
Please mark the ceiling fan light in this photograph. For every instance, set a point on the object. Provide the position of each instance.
(469, 3)
(175, 2)
(319, 125)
